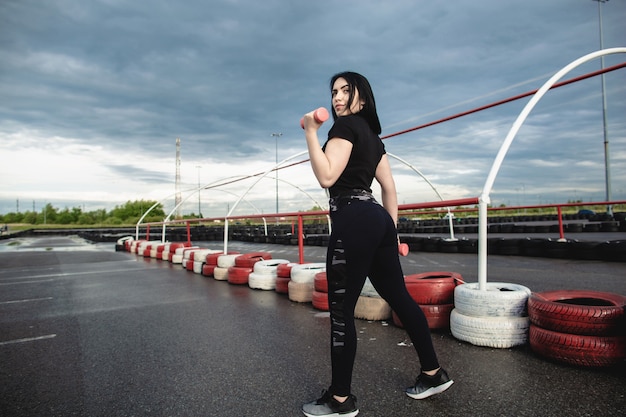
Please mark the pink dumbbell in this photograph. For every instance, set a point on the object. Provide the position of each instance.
(320, 115)
(403, 249)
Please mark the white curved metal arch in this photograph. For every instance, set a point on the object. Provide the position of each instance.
(484, 200)
(248, 190)
(418, 172)
(217, 189)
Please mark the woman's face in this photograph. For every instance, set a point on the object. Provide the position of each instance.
(340, 97)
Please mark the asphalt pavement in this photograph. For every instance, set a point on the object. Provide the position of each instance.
(87, 331)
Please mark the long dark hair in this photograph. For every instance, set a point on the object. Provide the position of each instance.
(368, 112)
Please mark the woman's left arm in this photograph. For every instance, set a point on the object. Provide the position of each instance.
(388, 188)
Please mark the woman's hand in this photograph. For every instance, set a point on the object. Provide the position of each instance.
(309, 121)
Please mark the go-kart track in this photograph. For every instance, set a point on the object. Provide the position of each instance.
(90, 331)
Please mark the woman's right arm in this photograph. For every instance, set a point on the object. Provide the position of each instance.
(327, 166)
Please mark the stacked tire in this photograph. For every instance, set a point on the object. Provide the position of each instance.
(434, 293)
(211, 262)
(578, 327)
(239, 273)
(199, 259)
(220, 272)
(283, 276)
(496, 316)
(264, 275)
(320, 291)
(169, 251)
(370, 305)
(302, 281)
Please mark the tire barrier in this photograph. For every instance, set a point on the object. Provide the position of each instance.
(283, 276)
(434, 293)
(157, 250)
(264, 275)
(584, 328)
(579, 327)
(211, 262)
(580, 350)
(189, 258)
(302, 282)
(122, 243)
(321, 282)
(495, 332)
(578, 312)
(220, 272)
(495, 317)
(199, 259)
(238, 275)
(370, 305)
(170, 250)
(179, 255)
(549, 247)
(247, 260)
(320, 291)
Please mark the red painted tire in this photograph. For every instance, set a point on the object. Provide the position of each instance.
(189, 264)
(579, 312)
(321, 283)
(247, 260)
(433, 288)
(580, 350)
(284, 271)
(320, 300)
(238, 275)
(437, 316)
(207, 270)
(282, 284)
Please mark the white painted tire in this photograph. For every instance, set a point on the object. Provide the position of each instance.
(197, 266)
(372, 308)
(368, 290)
(226, 261)
(179, 254)
(305, 273)
(220, 274)
(498, 300)
(258, 281)
(301, 292)
(269, 266)
(495, 332)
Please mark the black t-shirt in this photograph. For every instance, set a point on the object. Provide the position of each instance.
(367, 149)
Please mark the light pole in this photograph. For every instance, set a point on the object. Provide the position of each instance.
(607, 163)
(276, 136)
(199, 211)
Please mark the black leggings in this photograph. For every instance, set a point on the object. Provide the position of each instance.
(364, 243)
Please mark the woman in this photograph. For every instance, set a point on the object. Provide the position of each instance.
(363, 242)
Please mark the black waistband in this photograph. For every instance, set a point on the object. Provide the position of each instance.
(342, 200)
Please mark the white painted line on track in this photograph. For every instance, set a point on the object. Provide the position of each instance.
(69, 274)
(27, 282)
(28, 300)
(27, 339)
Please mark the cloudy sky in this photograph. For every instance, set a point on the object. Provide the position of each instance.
(93, 95)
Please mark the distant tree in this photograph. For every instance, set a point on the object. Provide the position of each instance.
(131, 212)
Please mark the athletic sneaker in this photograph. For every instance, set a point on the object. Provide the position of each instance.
(327, 406)
(426, 385)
